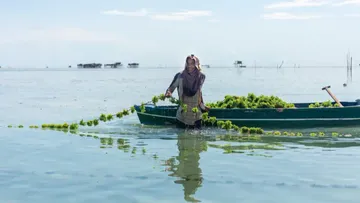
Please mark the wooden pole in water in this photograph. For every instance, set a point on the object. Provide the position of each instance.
(351, 69)
(347, 69)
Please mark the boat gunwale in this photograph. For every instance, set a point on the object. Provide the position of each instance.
(260, 109)
(261, 119)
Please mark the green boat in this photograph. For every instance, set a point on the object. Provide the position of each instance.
(268, 118)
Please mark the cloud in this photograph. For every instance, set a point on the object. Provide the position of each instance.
(347, 2)
(288, 16)
(297, 3)
(170, 17)
(183, 15)
(139, 13)
(58, 35)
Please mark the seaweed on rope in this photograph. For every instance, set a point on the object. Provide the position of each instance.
(249, 101)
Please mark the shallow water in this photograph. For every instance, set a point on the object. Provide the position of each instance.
(166, 165)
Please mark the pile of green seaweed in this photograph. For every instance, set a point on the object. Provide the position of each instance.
(250, 101)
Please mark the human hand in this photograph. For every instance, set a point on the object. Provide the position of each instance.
(204, 109)
(207, 108)
(168, 94)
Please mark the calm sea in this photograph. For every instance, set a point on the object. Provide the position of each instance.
(163, 164)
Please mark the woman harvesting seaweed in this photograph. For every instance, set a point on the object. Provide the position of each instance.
(188, 84)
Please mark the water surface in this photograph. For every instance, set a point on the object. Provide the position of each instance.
(164, 164)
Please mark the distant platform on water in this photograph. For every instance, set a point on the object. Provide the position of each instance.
(239, 64)
(113, 65)
(133, 65)
(89, 65)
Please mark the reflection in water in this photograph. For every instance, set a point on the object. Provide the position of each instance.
(186, 165)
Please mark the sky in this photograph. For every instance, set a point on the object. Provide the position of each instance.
(41, 33)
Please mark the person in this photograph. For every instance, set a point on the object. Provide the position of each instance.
(189, 83)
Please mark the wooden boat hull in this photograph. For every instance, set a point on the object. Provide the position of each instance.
(268, 118)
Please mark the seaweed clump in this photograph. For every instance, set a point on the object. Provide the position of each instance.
(251, 101)
(326, 104)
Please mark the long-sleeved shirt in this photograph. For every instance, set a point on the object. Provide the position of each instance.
(187, 117)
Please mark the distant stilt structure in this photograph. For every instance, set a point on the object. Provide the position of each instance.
(133, 65)
(239, 64)
(90, 65)
(113, 65)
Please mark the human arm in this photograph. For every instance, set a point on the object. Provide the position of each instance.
(202, 103)
(174, 84)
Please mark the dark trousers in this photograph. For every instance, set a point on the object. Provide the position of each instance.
(182, 125)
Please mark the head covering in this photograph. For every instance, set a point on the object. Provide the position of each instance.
(196, 60)
(193, 80)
